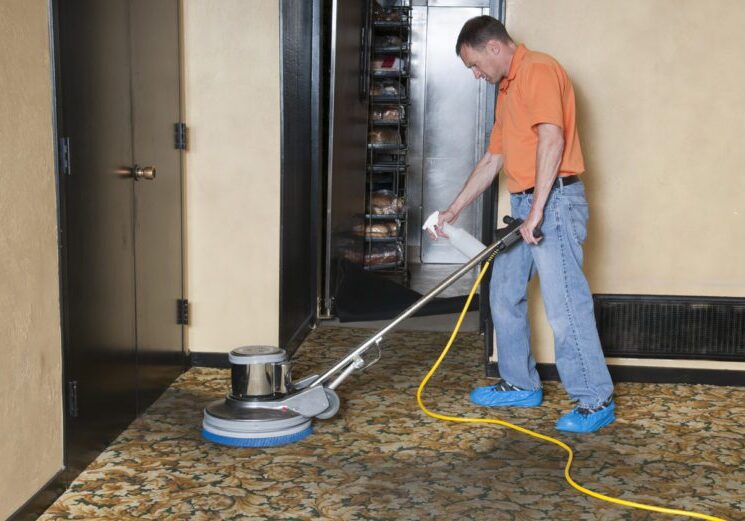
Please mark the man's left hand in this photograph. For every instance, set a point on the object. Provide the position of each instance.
(528, 227)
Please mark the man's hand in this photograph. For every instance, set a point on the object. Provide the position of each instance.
(446, 216)
(528, 227)
(548, 158)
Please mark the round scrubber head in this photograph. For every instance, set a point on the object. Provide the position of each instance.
(271, 441)
(228, 424)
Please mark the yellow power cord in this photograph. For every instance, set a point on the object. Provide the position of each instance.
(561, 444)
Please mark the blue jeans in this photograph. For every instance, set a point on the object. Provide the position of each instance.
(558, 261)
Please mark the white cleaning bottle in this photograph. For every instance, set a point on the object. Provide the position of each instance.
(461, 240)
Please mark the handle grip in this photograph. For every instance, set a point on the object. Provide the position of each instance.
(537, 233)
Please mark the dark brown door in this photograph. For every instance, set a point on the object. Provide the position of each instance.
(156, 107)
(99, 247)
(118, 85)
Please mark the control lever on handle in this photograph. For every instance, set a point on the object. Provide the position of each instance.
(537, 233)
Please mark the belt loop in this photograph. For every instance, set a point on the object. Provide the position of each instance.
(561, 185)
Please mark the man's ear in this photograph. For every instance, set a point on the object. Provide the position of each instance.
(493, 46)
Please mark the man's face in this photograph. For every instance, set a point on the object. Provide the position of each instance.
(483, 62)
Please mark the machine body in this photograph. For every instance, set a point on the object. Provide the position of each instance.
(265, 407)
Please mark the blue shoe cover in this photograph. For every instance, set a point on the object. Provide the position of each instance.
(577, 421)
(494, 396)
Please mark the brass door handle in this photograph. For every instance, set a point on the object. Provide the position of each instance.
(143, 172)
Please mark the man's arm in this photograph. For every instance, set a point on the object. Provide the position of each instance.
(481, 177)
(548, 159)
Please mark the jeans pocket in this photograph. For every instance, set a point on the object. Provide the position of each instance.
(576, 214)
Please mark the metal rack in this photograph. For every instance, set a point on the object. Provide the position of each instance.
(387, 148)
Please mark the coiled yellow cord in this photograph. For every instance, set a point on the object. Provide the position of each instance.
(561, 444)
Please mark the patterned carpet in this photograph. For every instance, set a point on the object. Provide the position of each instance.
(380, 458)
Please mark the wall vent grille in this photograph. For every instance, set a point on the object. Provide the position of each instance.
(643, 326)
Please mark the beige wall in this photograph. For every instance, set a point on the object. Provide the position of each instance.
(660, 94)
(231, 106)
(30, 372)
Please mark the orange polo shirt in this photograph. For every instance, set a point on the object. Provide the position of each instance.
(536, 90)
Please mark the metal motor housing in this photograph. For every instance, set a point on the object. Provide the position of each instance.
(259, 372)
(264, 407)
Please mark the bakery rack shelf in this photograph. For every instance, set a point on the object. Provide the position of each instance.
(381, 239)
(383, 24)
(386, 168)
(389, 122)
(386, 217)
(387, 100)
(395, 147)
(380, 267)
(393, 122)
(389, 73)
(387, 164)
(390, 49)
(390, 99)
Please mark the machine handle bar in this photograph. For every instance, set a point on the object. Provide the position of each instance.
(507, 236)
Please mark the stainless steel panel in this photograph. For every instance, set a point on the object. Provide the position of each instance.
(454, 121)
(459, 3)
(456, 3)
(416, 124)
(347, 140)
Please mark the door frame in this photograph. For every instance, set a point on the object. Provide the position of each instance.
(299, 146)
(60, 481)
(67, 474)
(489, 223)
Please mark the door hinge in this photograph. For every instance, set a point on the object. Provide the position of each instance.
(180, 137)
(182, 311)
(64, 155)
(72, 398)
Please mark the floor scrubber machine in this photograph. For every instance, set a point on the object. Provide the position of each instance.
(265, 407)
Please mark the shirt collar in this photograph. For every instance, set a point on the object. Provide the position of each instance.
(517, 59)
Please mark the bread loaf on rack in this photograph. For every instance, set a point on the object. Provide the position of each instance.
(385, 202)
(385, 136)
(379, 229)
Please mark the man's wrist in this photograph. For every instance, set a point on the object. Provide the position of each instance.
(537, 207)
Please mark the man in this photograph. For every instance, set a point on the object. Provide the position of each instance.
(535, 139)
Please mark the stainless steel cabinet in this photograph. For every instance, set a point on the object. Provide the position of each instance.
(450, 118)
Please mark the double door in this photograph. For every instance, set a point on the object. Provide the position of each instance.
(118, 101)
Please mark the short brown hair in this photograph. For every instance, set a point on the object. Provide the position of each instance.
(479, 30)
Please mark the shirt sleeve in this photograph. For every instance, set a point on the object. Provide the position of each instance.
(495, 139)
(543, 91)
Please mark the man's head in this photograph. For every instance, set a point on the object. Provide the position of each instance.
(485, 48)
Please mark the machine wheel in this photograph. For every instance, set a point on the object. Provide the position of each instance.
(333, 407)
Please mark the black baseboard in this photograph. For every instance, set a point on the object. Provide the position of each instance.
(202, 359)
(659, 375)
(43, 499)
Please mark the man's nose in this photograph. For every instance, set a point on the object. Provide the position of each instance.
(476, 74)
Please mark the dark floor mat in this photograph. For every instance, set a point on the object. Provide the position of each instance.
(363, 295)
